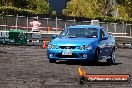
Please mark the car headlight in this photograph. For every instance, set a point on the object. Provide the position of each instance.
(52, 46)
(85, 47)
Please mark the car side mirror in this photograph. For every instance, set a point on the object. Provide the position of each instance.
(54, 36)
(104, 38)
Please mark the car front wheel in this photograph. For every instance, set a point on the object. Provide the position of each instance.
(97, 55)
(112, 57)
(52, 61)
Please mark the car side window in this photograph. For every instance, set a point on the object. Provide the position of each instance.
(105, 31)
(102, 34)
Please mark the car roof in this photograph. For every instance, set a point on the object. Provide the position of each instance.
(85, 26)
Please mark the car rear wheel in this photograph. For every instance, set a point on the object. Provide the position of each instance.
(112, 59)
(52, 61)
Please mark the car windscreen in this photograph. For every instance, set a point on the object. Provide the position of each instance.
(79, 33)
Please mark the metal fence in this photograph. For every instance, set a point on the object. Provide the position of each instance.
(23, 23)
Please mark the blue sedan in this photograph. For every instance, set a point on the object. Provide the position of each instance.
(82, 42)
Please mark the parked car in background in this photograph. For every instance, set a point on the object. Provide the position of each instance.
(82, 42)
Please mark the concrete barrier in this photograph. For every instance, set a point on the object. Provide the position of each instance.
(36, 38)
(123, 41)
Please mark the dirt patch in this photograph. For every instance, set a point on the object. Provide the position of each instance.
(28, 67)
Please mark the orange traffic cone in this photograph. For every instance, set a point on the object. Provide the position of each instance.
(44, 44)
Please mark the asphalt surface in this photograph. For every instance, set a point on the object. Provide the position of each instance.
(28, 67)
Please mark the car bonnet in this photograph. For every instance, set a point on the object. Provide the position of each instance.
(73, 41)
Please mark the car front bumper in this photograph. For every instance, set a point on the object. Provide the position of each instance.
(77, 54)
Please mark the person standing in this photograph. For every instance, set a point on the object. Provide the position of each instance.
(35, 25)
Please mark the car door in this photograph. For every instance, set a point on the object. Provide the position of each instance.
(103, 44)
(109, 44)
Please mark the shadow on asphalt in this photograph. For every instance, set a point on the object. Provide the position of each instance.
(86, 63)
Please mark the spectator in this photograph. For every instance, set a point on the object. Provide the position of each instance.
(35, 25)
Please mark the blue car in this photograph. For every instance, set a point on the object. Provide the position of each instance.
(82, 42)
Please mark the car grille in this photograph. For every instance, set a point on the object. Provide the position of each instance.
(67, 56)
(68, 47)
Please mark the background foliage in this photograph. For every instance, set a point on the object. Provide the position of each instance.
(36, 6)
(118, 11)
(105, 10)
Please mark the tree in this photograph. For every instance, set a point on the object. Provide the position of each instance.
(54, 13)
(6, 2)
(127, 5)
(82, 8)
(105, 7)
(20, 3)
(39, 6)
